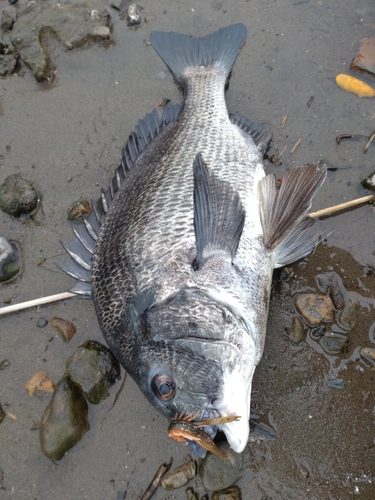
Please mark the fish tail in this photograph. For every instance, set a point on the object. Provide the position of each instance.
(182, 51)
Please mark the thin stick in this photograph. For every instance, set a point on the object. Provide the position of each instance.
(295, 146)
(341, 206)
(36, 302)
(153, 486)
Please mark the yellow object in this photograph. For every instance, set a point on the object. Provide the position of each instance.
(351, 84)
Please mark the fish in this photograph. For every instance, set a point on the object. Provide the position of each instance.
(351, 84)
(179, 250)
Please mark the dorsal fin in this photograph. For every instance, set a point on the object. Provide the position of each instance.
(258, 132)
(286, 231)
(218, 213)
(82, 248)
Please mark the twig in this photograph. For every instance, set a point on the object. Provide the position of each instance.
(36, 302)
(341, 206)
(295, 146)
(153, 486)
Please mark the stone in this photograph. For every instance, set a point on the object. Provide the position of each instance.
(364, 61)
(315, 309)
(93, 368)
(297, 330)
(66, 328)
(179, 476)
(65, 420)
(233, 493)
(219, 475)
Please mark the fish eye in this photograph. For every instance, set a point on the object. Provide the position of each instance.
(163, 387)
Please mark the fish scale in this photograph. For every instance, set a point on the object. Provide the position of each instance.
(187, 236)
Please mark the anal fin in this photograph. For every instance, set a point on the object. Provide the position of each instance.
(286, 231)
(219, 216)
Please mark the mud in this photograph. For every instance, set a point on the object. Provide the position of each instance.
(64, 140)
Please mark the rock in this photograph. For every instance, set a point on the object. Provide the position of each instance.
(337, 383)
(332, 284)
(78, 210)
(219, 475)
(10, 259)
(4, 364)
(190, 494)
(133, 16)
(8, 64)
(2, 414)
(364, 61)
(7, 21)
(64, 421)
(333, 343)
(42, 322)
(368, 353)
(297, 330)
(315, 309)
(39, 382)
(72, 24)
(66, 328)
(18, 196)
(179, 476)
(369, 182)
(94, 369)
(233, 493)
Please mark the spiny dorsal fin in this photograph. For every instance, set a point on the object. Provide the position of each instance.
(82, 247)
(218, 213)
(282, 213)
(258, 132)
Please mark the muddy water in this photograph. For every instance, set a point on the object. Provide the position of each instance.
(64, 139)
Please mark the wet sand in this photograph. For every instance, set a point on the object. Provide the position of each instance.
(64, 139)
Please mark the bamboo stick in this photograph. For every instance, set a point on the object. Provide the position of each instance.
(341, 206)
(36, 302)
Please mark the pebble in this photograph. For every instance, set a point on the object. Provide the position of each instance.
(39, 382)
(364, 61)
(219, 475)
(233, 493)
(332, 284)
(2, 414)
(133, 16)
(4, 364)
(297, 330)
(93, 368)
(42, 322)
(66, 328)
(190, 494)
(18, 196)
(10, 259)
(337, 383)
(78, 210)
(315, 309)
(333, 343)
(368, 353)
(179, 476)
(65, 420)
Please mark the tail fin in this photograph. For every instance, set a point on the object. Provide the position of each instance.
(181, 51)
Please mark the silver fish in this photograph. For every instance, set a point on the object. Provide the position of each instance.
(179, 251)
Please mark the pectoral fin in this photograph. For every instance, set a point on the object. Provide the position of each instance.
(218, 213)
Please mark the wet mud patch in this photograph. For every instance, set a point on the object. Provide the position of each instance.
(325, 446)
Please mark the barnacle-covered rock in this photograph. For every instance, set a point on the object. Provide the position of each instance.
(94, 369)
(18, 196)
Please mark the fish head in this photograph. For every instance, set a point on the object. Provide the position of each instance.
(197, 357)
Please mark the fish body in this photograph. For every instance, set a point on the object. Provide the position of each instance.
(351, 84)
(185, 240)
